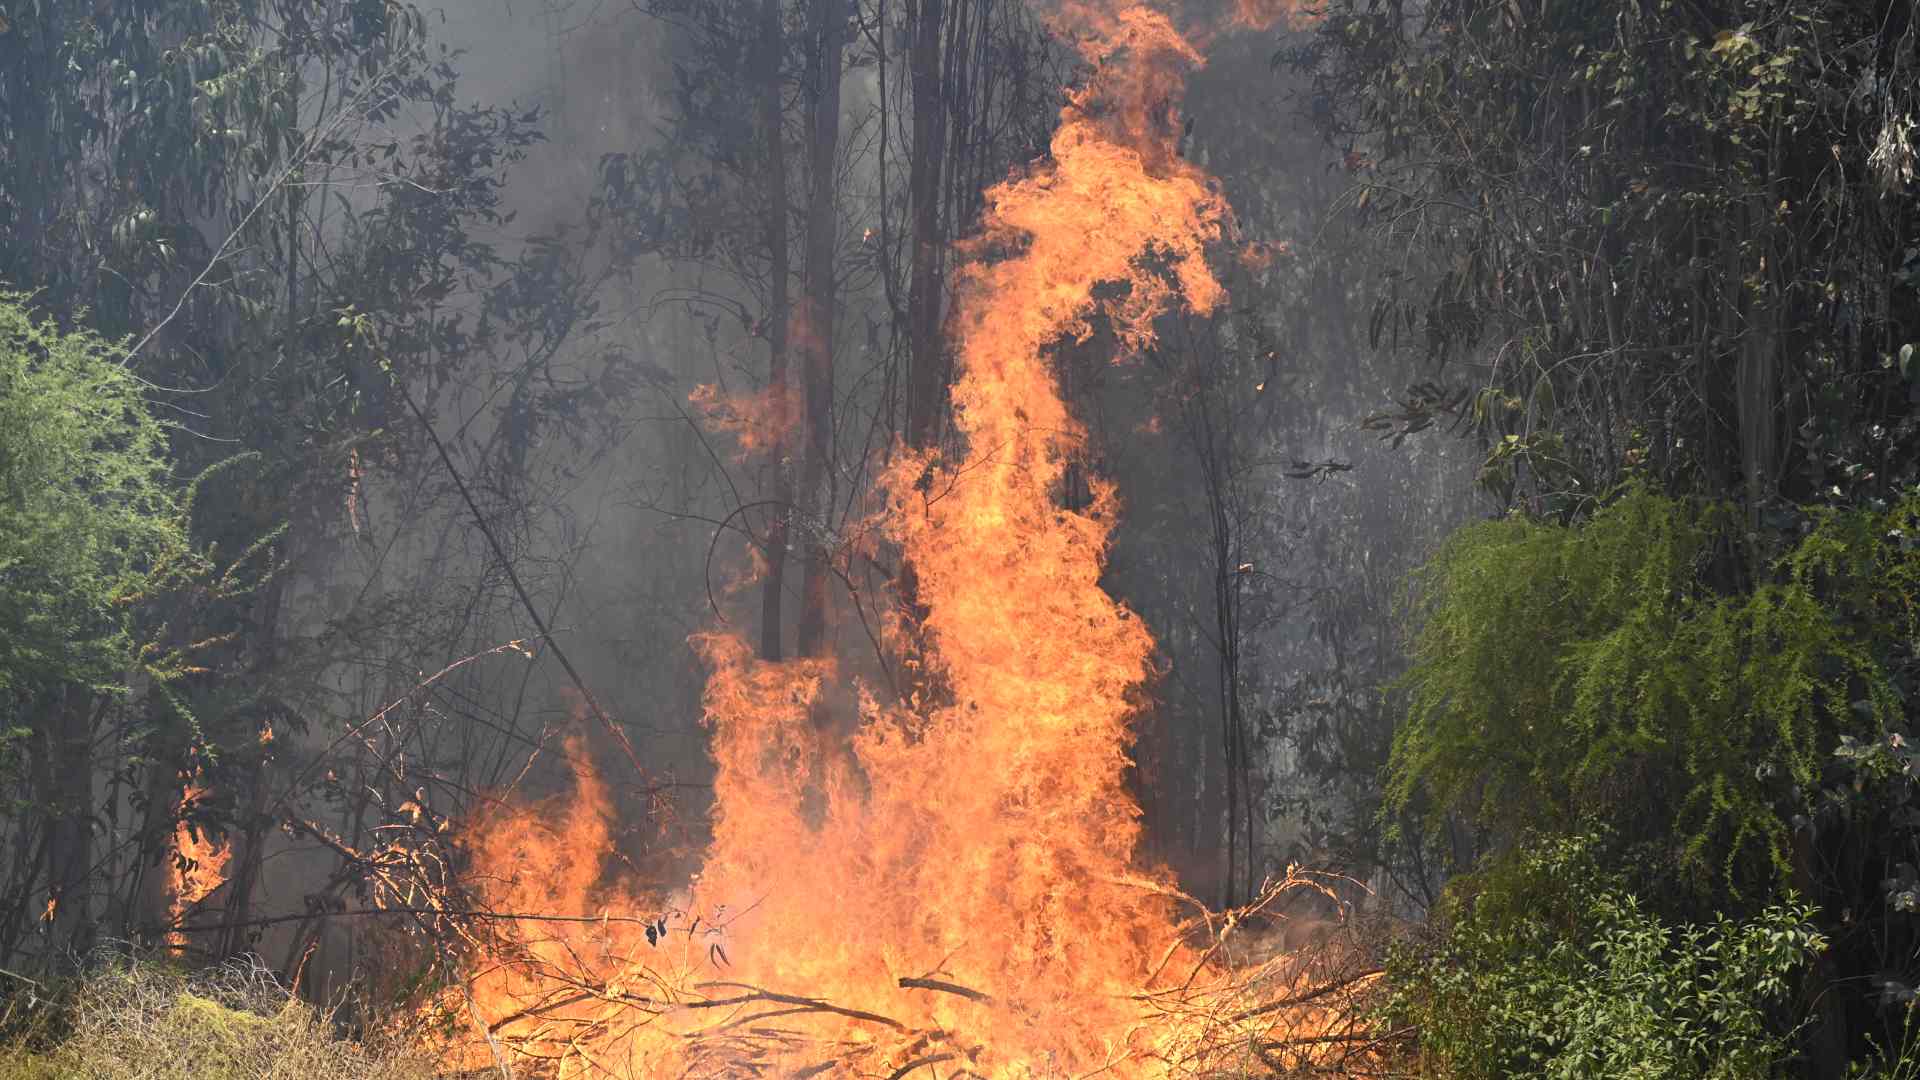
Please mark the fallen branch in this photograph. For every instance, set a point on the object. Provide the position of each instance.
(913, 983)
(755, 993)
(1315, 994)
(1363, 1038)
(445, 913)
(541, 1010)
(918, 1063)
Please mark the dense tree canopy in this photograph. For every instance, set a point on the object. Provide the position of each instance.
(1668, 239)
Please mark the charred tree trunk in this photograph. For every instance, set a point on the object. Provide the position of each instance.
(1214, 446)
(779, 390)
(1226, 611)
(826, 41)
(928, 374)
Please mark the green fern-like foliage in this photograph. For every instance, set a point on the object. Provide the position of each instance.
(87, 512)
(1571, 673)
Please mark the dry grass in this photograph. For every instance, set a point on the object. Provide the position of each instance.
(148, 1022)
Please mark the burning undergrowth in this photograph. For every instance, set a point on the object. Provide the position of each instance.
(866, 977)
(949, 882)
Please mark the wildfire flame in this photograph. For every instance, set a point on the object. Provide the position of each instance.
(756, 420)
(200, 866)
(952, 879)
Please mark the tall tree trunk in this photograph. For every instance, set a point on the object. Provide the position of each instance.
(149, 909)
(32, 160)
(927, 374)
(827, 34)
(1225, 584)
(772, 48)
(1756, 394)
(1215, 448)
(923, 192)
(249, 847)
(62, 762)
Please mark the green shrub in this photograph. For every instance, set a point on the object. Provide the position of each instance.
(1571, 673)
(1544, 967)
(87, 508)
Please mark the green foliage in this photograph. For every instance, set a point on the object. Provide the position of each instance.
(1545, 967)
(1900, 1063)
(148, 1021)
(1664, 245)
(1565, 672)
(88, 517)
(1601, 217)
(191, 176)
(193, 107)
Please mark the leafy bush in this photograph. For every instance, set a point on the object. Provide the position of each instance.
(1544, 967)
(1567, 673)
(87, 509)
(147, 1022)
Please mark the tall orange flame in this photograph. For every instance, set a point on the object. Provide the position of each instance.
(958, 874)
(989, 840)
(200, 867)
